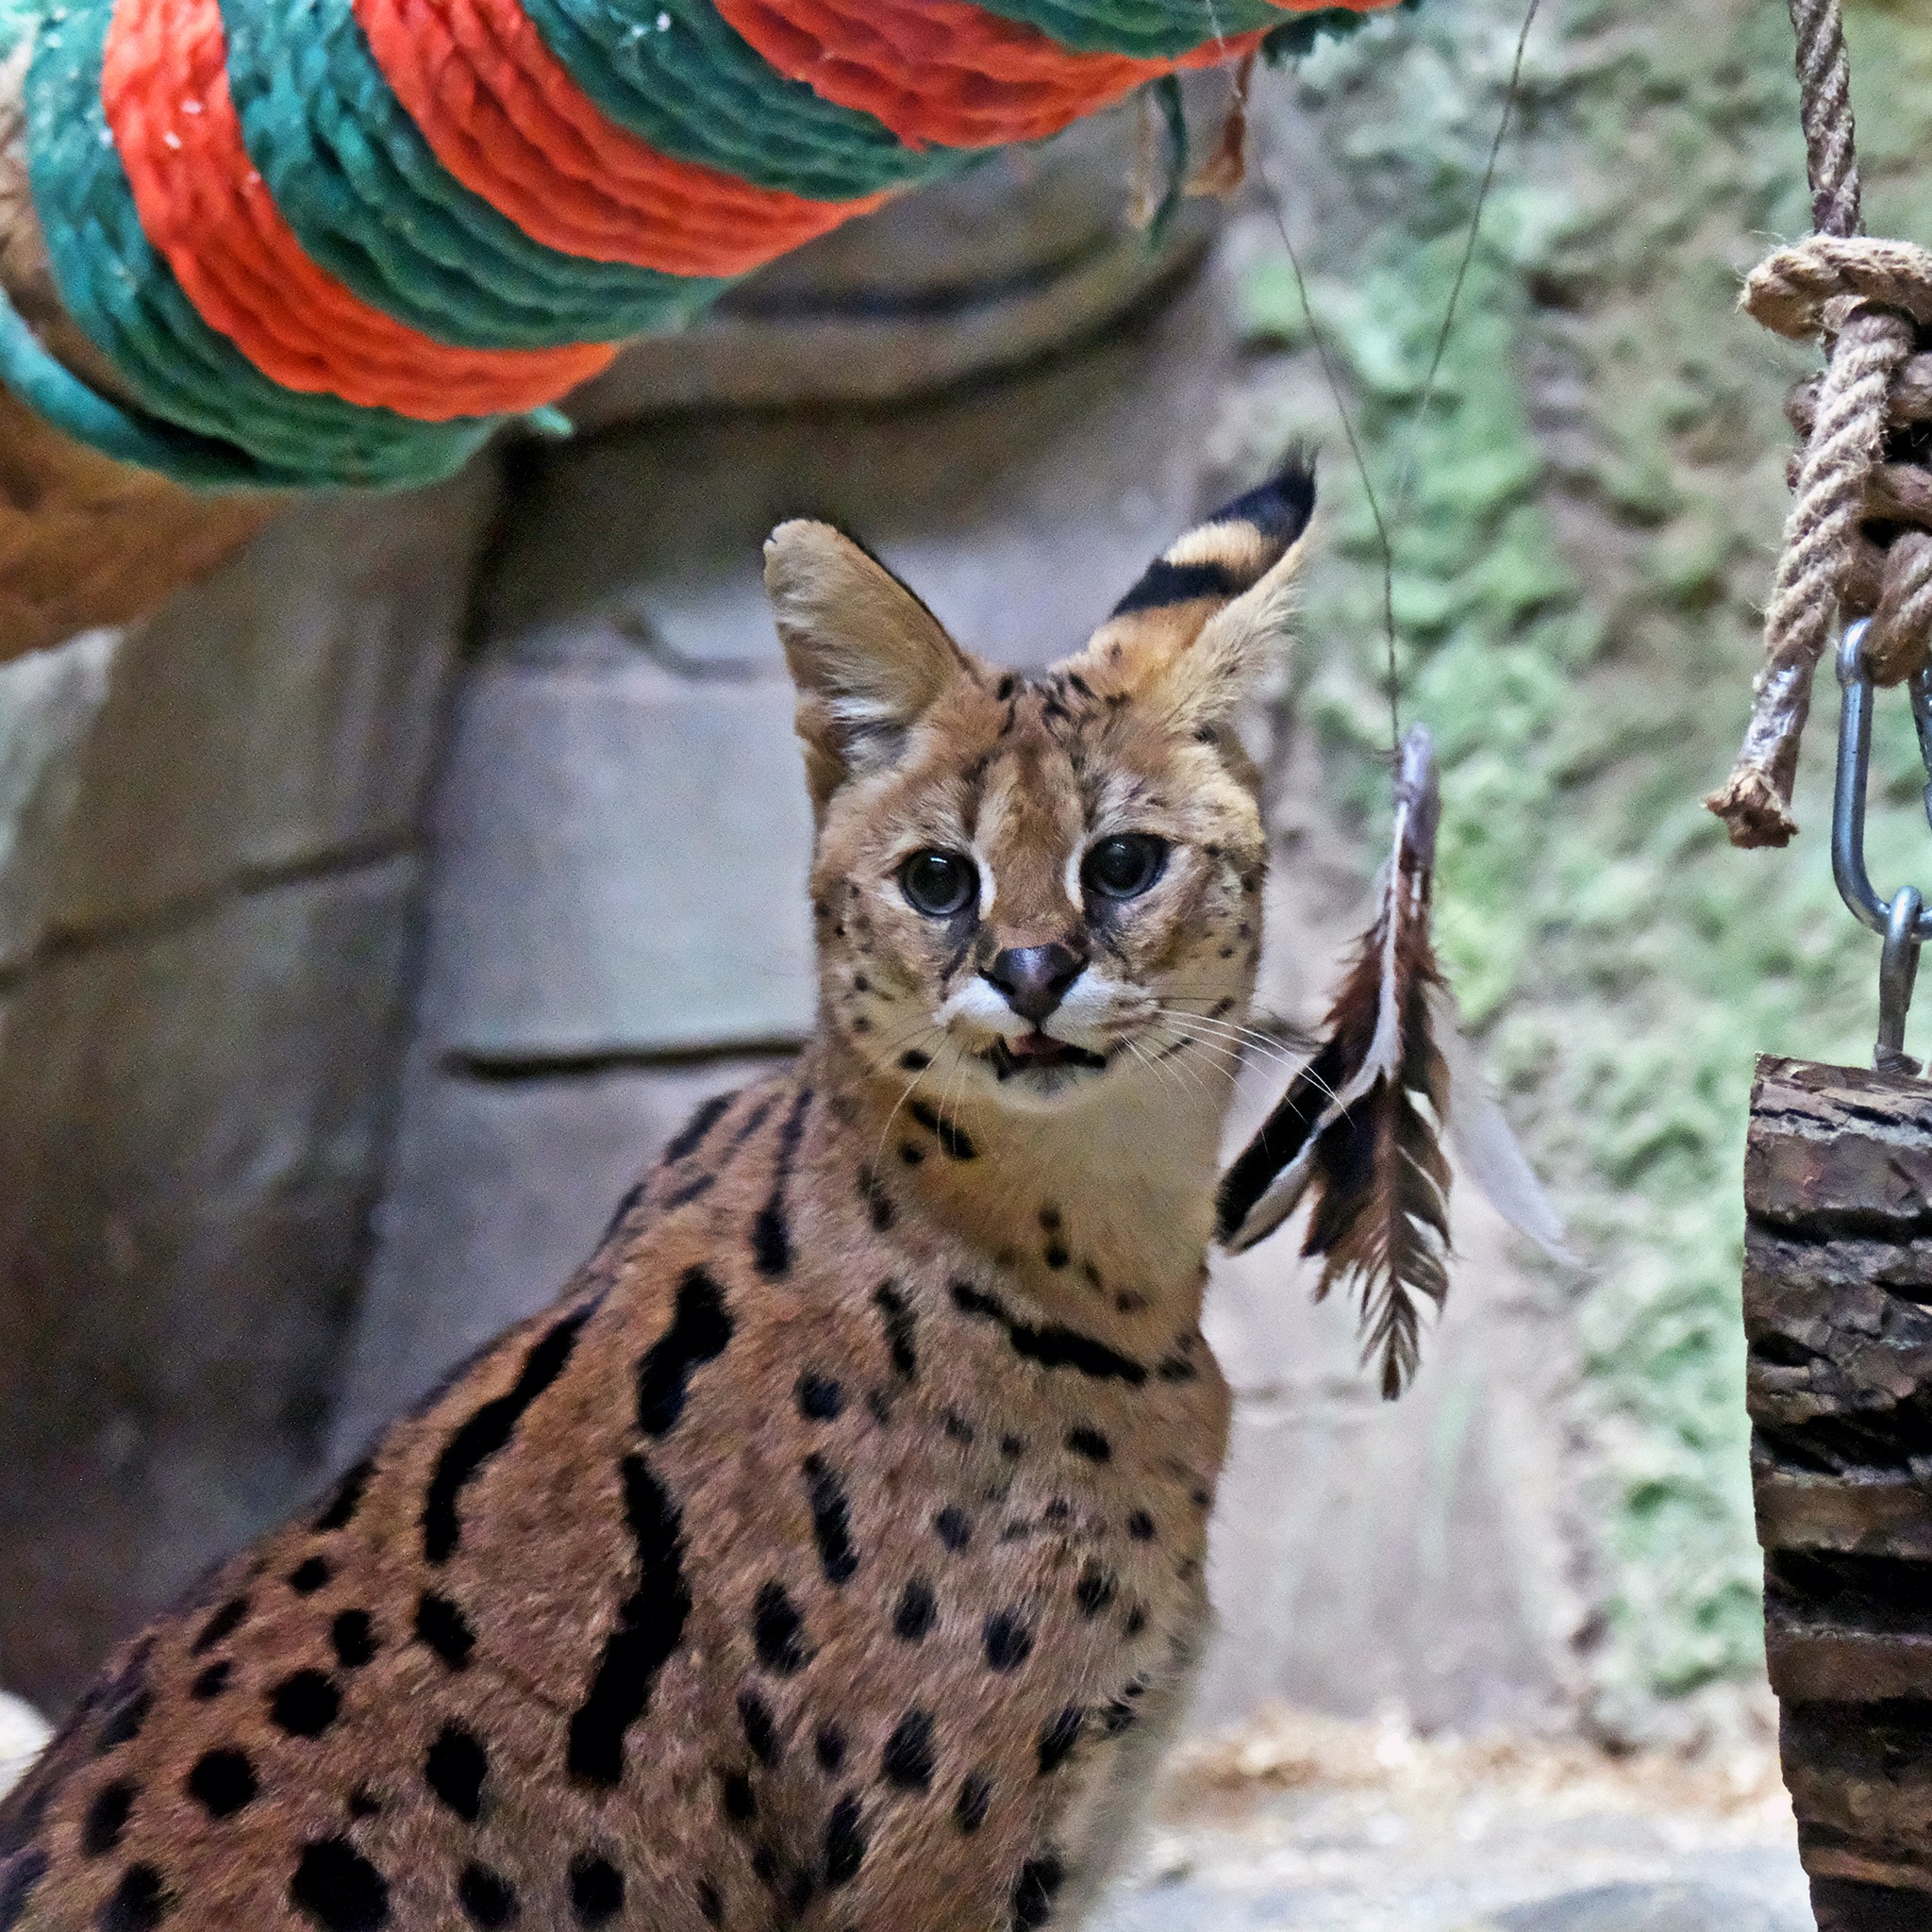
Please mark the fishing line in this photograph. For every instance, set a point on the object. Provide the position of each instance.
(1385, 525)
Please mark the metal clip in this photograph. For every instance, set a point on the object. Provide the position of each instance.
(1904, 919)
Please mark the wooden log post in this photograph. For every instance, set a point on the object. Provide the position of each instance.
(1838, 1315)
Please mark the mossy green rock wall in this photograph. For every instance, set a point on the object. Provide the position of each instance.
(1584, 522)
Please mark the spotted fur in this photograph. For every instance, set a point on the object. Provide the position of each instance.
(829, 1554)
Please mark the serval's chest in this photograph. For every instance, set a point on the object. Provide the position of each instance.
(792, 1565)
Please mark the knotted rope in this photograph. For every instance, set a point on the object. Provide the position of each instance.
(1858, 538)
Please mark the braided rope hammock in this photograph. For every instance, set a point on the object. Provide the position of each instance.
(288, 242)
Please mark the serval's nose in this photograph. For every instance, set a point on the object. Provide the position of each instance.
(1035, 978)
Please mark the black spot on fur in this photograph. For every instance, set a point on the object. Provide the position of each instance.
(829, 1746)
(1096, 1589)
(820, 1398)
(913, 1062)
(954, 1527)
(1053, 1346)
(211, 1681)
(1005, 687)
(1176, 1368)
(18, 1881)
(831, 1520)
(1012, 1448)
(1136, 1621)
(1141, 1526)
(954, 1141)
(106, 1818)
(139, 1903)
(771, 1231)
(901, 1333)
(778, 1631)
(650, 1623)
(353, 1639)
(957, 1428)
(337, 1888)
(910, 1153)
(486, 1897)
(1090, 1443)
(444, 1628)
(760, 1732)
(304, 1704)
(737, 1798)
(308, 1576)
(125, 1703)
(906, 1760)
(845, 1841)
(1056, 1254)
(1035, 1890)
(690, 1136)
(710, 1907)
(879, 1203)
(699, 1327)
(340, 1510)
(916, 1612)
(453, 1768)
(1059, 1736)
(221, 1782)
(596, 1891)
(1008, 1640)
(969, 1808)
(487, 1431)
(363, 1803)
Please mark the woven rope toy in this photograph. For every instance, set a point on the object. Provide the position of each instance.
(291, 242)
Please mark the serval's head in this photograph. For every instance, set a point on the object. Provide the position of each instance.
(1028, 887)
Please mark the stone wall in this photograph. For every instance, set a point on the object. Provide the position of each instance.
(209, 872)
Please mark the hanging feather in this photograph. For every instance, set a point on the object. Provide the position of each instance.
(1360, 1133)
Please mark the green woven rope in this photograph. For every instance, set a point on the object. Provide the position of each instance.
(124, 298)
(1146, 29)
(369, 201)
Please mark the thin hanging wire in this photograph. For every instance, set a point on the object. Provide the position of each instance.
(1386, 524)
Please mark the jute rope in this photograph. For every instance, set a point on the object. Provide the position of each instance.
(1858, 538)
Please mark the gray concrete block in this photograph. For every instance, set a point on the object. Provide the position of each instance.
(1020, 512)
(48, 702)
(622, 869)
(190, 1131)
(286, 708)
(1367, 1554)
(498, 1192)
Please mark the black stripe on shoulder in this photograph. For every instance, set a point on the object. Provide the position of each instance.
(1163, 583)
(487, 1431)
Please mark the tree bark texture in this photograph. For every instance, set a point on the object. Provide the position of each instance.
(1837, 1314)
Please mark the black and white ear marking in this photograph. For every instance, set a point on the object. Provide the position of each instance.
(1208, 620)
(868, 658)
(1235, 548)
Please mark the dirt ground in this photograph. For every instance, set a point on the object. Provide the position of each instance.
(1304, 1824)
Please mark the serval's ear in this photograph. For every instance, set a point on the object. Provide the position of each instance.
(868, 658)
(1208, 618)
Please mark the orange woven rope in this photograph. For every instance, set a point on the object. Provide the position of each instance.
(943, 72)
(207, 210)
(503, 114)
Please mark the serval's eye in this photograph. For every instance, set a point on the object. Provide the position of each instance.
(938, 884)
(1125, 866)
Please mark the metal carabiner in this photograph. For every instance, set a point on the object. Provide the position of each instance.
(1904, 919)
